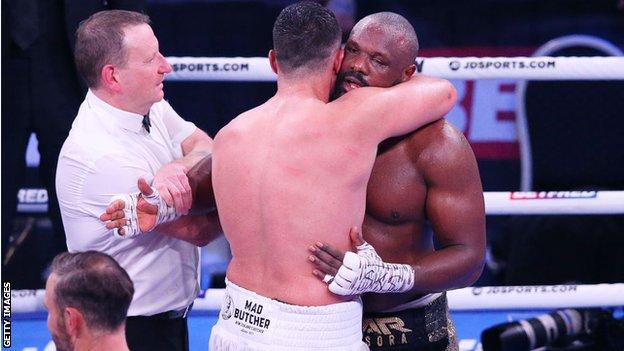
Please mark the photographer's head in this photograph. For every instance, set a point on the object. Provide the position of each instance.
(87, 297)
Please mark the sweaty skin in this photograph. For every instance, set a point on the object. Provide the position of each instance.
(429, 175)
(294, 170)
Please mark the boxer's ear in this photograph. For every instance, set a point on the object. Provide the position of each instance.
(338, 60)
(408, 72)
(273, 61)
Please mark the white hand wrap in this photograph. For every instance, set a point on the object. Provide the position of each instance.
(132, 228)
(366, 272)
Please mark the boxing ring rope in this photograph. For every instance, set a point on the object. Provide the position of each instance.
(518, 203)
(257, 69)
(554, 202)
(485, 298)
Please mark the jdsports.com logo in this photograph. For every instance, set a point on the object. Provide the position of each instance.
(501, 64)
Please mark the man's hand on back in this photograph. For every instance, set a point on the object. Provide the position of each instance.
(349, 273)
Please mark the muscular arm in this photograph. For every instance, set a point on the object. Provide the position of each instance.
(455, 208)
(198, 230)
(381, 113)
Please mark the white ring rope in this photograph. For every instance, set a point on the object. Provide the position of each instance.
(554, 202)
(530, 297)
(514, 203)
(257, 69)
(536, 297)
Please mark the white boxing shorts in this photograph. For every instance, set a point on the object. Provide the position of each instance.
(248, 321)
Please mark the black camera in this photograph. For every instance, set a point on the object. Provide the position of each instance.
(565, 329)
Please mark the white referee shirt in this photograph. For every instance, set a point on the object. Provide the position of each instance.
(106, 152)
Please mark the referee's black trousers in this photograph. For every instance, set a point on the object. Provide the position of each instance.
(155, 334)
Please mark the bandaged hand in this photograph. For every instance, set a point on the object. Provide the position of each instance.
(132, 214)
(359, 272)
(364, 271)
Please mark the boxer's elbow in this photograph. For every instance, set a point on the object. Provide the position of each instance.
(204, 238)
(209, 231)
(475, 263)
(201, 242)
(477, 270)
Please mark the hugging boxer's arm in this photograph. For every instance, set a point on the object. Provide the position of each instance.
(199, 230)
(385, 112)
(455, 208)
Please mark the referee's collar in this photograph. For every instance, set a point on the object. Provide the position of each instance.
(124, 119)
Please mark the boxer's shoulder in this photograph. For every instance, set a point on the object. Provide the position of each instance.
(437, 142)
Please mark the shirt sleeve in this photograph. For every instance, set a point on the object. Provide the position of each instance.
(176, 126)
(85, 190)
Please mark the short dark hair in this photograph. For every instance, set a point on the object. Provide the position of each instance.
(304, 35)
(96, 285)
(99, 41)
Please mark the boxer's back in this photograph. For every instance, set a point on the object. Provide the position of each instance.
(286, 174)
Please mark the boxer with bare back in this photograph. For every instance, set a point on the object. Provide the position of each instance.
(295, 170)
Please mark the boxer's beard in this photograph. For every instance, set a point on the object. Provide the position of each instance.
(339, 89)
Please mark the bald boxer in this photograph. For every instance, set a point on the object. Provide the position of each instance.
(427, 175)
(294, 170)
